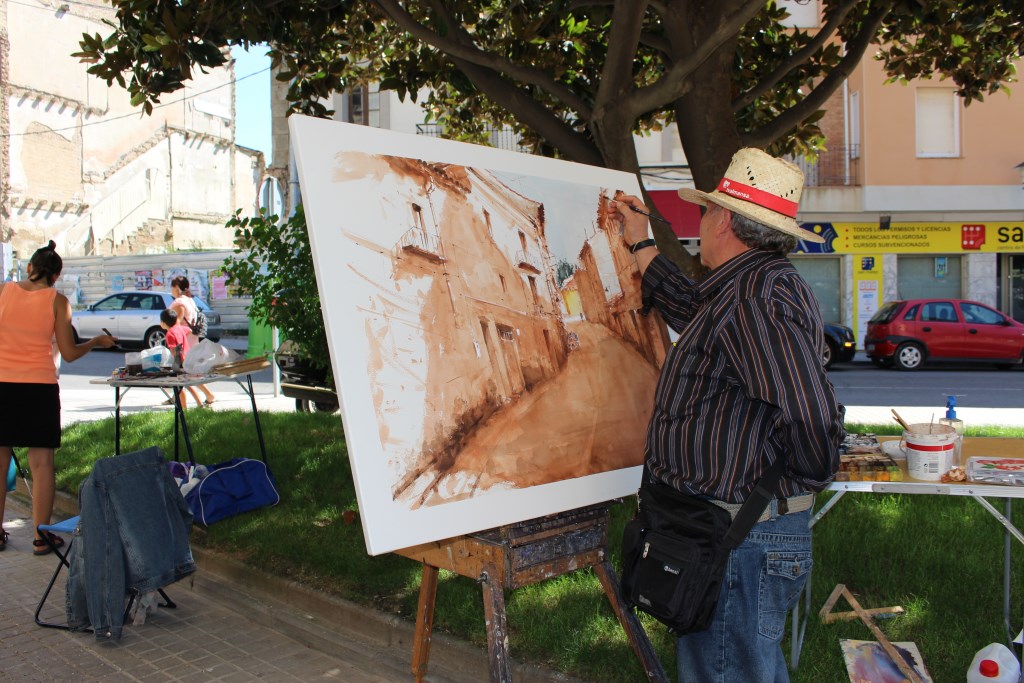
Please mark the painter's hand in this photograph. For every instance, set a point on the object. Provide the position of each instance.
(635, 226)
(105, 341)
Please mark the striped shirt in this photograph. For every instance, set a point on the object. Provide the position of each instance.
(744, 384)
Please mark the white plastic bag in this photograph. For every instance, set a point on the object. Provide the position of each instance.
(205, 355)
(156, 358)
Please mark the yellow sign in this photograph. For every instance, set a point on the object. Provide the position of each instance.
(921, 238)
(867, 293)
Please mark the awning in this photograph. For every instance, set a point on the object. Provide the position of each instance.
(684, 216)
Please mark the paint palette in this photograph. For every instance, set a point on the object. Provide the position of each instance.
(860, 444)
(990, 470)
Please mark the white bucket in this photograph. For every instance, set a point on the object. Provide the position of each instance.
(929, 449)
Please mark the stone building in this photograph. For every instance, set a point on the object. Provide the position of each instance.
(81, 166)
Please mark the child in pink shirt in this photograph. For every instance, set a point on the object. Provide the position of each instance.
(178, 335)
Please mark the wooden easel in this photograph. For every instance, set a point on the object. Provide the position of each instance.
(517, 555)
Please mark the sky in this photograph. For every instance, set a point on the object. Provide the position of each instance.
(252, 99)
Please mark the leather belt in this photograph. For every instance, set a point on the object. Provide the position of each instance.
(781, 506)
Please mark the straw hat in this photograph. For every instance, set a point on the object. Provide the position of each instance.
(762, 188)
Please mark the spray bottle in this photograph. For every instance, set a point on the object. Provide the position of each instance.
(957, 424)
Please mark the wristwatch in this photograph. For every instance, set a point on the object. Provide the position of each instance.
(642, 244)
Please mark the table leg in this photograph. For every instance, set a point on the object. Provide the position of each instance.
(256, 418)
(177, 411)
(117, 420)
(184, 429)
(1007, 543)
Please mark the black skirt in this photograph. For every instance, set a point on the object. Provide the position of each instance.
(29, 415)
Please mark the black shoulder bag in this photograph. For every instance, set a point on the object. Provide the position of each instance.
(675, 550)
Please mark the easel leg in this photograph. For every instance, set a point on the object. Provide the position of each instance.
(497, 629)
(424, 622)
(638, 639)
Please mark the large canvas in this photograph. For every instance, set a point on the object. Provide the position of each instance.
(485, 325)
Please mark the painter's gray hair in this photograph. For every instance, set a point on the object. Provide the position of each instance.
(760, 236)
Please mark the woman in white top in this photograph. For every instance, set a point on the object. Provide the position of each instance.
(187, 310)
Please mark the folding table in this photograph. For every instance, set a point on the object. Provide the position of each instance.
(176, 384)
(972, 446)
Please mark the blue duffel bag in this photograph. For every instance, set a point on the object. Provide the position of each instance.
(230, 488)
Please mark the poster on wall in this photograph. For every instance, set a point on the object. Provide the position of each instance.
(117, 283)
(144, 279)
(198, 282)
(219, 287)
(484, 319)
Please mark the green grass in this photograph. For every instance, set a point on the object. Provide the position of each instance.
(940, 558)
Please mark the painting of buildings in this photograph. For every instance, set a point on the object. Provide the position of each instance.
(485, 327)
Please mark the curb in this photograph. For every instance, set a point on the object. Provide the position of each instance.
(333, 625)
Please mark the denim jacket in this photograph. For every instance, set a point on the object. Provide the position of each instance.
(133, 535)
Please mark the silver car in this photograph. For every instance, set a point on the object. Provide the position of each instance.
(134, 318)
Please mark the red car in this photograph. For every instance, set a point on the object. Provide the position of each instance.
(907, 333)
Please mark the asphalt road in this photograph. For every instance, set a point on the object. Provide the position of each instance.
(979, 386)
(857, 383)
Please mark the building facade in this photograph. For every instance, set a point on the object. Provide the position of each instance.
(916, 194)
(81, 166)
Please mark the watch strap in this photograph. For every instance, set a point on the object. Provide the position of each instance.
(642, 244)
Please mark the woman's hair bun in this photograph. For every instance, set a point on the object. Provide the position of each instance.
(52, 245)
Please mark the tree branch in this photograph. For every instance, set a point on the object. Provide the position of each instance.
(470, 54)
(675, 82)
(817, 98)
(532, 113)
(798, 58)
(623, 38)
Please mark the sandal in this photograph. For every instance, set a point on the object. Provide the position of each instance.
(209, 402)
(4, 537)
(41, 547)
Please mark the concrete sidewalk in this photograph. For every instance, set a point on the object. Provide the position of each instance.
(231, 624)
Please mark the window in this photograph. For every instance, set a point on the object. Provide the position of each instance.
(980, 315)
(362, 105)
(417, 218)
(938, 123)
(854, 125)
(112, 303)
(911, 312)
(939, 311)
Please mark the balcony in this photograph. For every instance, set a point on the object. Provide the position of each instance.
(501, 138)
(528, 261)
(416, 241)
(835, 167)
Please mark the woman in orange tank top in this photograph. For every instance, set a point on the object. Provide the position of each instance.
(32, 315)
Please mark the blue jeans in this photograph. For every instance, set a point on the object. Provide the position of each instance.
(133, 536)
(763, 580)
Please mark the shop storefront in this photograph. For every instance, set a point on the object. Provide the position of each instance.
(862, 265)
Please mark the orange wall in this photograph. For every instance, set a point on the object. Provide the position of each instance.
(990, 135)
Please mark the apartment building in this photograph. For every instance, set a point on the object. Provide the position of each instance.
(916, 194)
(81, 166)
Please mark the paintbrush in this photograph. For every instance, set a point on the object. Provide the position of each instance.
(642, 212)
(900, 420)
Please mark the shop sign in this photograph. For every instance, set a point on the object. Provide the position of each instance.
(915, 238)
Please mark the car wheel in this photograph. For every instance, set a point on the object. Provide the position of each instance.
(302, 406)
(325, 406)
(908, 356)
(828, 356)
(154, 337)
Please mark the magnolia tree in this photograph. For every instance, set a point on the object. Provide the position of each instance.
(576, 78)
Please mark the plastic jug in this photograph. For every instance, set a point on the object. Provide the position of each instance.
(994, 663)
